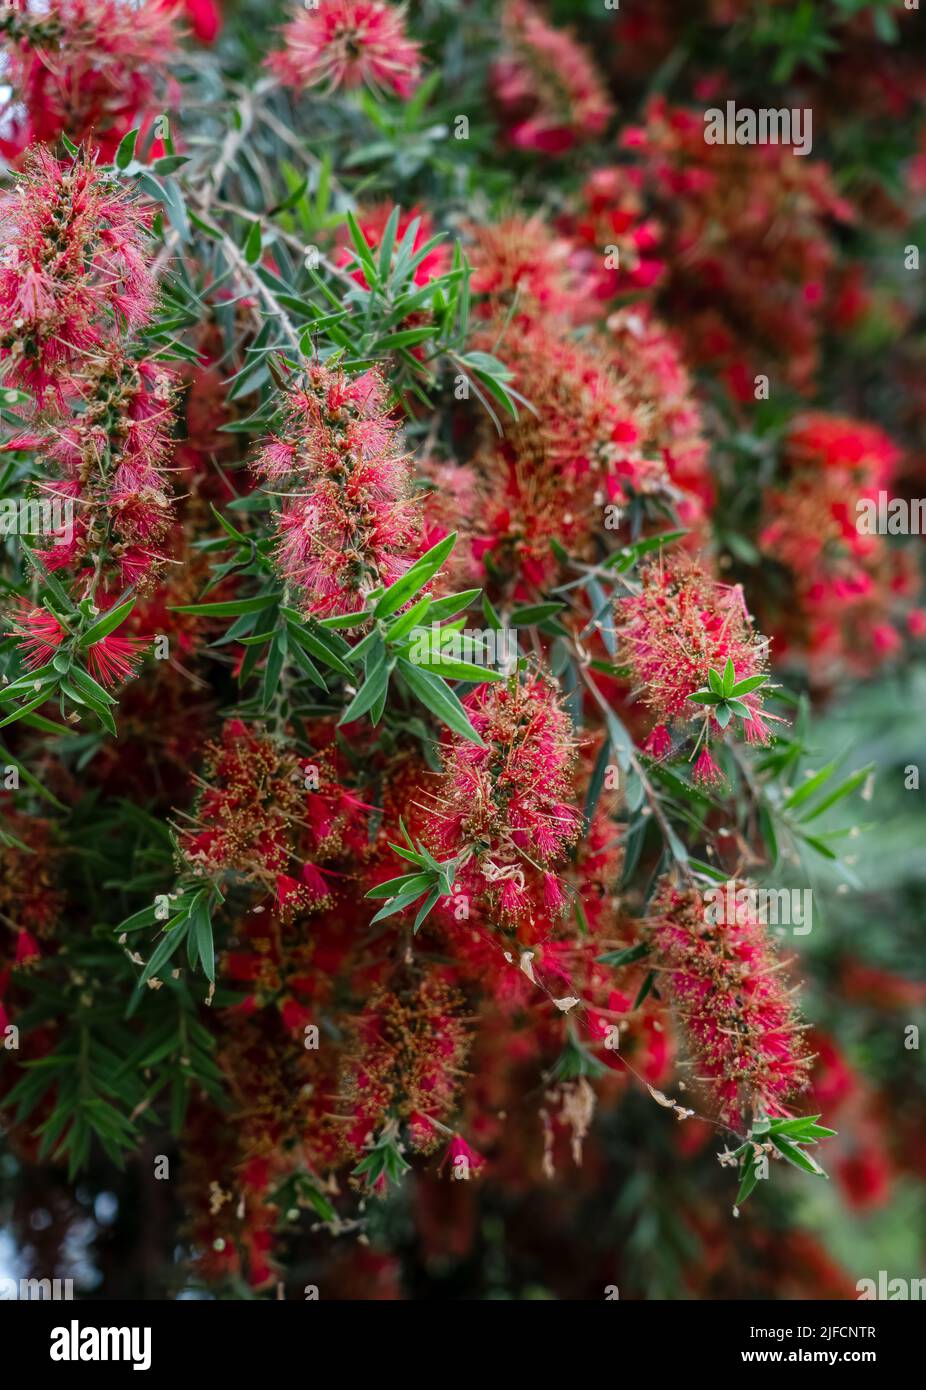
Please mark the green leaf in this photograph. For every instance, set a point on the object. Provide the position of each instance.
(534, 613)
(749, 1177)
(627, 956)
(319, 645)
(126, 151)
(90, 689)
(414, 579)
(373, 687)
(729, 677)
(705, 697)
(446, 666)
(230, 608)
(807, 789)
(436, 696)
(426, 907)
(409, 619)
(202, 925)
(750, 683)
(404, 899)
(105, 624)
(844, 789)
(796, 1156)
(449, 607)
(252, 246)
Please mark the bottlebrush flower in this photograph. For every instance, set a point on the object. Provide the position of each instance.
(547, 88)
(558, 465)
(726, 984)
(347, 524)
(618, 242)
(85, 68)
(204, 16)
(111, 660)
(747, 249)
(73, 273)
(270, 814)
(844, 586)
(348, 43)
(648, 359)
(404, 1063)
(507, 805)
(39, 632)
(249, 807)
(521, 263)
(112, 456)
(114, 659)
(464, 1161)
(680, 626)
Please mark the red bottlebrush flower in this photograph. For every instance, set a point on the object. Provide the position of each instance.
(736, 1010)
(73, 272)
(522, 262)
(348, 523)
(658, 742)
(547, 88)
(845, 580)
(464, 1161)
(40, 634)
(247, 811)
(557, 467)
(27, 950)
(506, 806)
(403, 1066)
(611, 219)
(743, 295)
(706, 770)
(681, 625)
(85, 68)
(348, 43)
(114, 659)
(204, 16)
(865, 1176)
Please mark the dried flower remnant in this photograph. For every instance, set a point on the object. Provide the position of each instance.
(726, 983)
(348, 43)
(347, 524)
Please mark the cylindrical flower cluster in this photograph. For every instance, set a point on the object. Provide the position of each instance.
(347, 523)
(725, 981)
